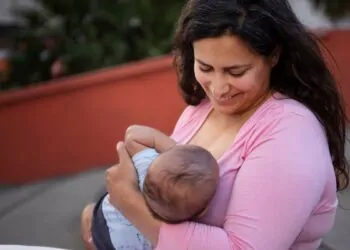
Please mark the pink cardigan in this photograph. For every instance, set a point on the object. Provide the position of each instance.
(277, 189)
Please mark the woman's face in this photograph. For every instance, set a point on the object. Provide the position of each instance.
(233, 76)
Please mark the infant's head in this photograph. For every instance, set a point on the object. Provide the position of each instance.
(180, 183)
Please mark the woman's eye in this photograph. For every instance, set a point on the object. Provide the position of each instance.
(204, 69)
(237, 74)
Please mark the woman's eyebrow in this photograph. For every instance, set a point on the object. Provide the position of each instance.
(225, 68)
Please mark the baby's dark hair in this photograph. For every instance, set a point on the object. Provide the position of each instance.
(181, 183)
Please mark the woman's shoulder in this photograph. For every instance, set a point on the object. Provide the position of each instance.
(282, 109)
(286, 129)
(283, 116)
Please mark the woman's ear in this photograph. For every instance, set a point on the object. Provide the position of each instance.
(275, 56)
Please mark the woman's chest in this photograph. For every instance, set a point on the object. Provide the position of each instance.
(228, 147)
(229, 167)
(214, 139)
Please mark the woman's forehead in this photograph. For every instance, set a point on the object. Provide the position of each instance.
(223, 51)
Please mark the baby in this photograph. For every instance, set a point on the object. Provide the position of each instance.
(178, 182)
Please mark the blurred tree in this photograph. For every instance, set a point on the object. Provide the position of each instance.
(64, 37)
(334, 9)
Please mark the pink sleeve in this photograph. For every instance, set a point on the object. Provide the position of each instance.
(275, 191)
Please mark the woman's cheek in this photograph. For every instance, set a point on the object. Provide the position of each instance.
(245, 84)
(201, 77)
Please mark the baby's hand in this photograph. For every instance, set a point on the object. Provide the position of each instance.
(147, 137)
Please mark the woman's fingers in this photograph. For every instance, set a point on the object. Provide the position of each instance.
(124, 157)
(111, 175)
(85, 227)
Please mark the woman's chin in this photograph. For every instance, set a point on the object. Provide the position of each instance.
(228, 110)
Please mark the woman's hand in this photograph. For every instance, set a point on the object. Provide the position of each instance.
(124, 194)
(85, 226)
(121, 178)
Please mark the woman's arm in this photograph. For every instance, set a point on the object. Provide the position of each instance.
(136, 211)
(275, 191)
(122, 187)
(121, 183)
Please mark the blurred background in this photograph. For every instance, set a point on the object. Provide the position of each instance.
(74, 74)
(45, 39)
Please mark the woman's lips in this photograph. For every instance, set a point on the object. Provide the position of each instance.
(225, 100)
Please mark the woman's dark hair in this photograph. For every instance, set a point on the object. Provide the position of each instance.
(301, 72)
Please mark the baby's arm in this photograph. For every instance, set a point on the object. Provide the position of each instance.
(139, 137)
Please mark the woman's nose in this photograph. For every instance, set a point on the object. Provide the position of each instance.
(220, 86)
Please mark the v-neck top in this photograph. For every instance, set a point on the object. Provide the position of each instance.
(277, 187)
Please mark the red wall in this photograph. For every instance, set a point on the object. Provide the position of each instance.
(73, 124)
(338, 43)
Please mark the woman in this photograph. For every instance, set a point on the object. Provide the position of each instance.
(263, 102)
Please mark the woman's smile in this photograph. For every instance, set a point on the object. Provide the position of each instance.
(226, 100)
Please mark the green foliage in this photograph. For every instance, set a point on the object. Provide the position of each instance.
(80, 36)
(335, 9)
(87, 35)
